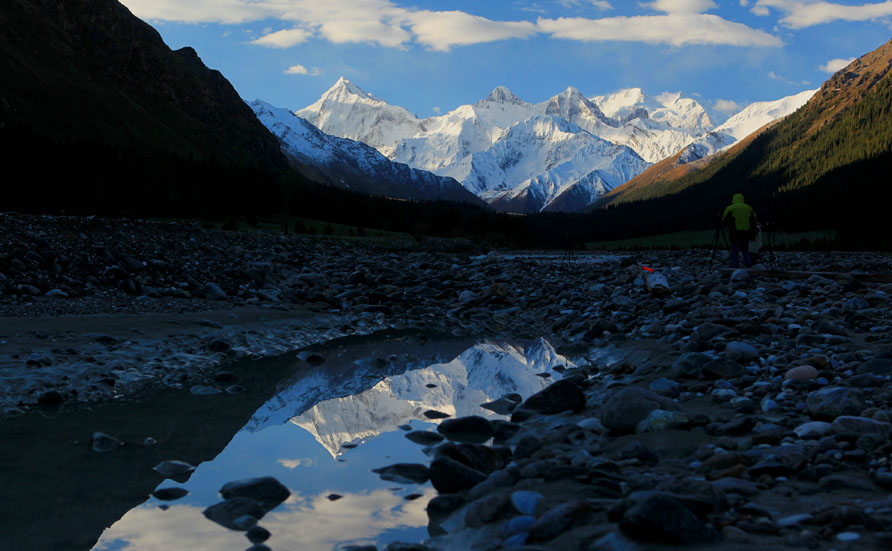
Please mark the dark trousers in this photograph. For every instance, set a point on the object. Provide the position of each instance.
(737, 247)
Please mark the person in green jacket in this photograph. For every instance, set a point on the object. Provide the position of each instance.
(741, 222)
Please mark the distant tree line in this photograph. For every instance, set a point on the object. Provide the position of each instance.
(77, 177)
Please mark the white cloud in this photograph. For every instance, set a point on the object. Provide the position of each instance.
(385, 23)
(681, 6)
(436, 109)
(799, 14)
(442, 30)
(727, 106)
(835, 65)
(301, 70)
(283, 39)
(673, 29)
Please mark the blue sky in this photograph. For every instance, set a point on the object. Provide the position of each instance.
(432, 56)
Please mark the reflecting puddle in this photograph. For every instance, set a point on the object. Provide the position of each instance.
(321, 434)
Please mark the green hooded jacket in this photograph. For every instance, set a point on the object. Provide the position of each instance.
(741, 214)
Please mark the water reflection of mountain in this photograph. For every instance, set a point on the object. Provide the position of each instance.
(480, 374)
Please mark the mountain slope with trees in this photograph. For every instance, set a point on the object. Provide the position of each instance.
(825, 166)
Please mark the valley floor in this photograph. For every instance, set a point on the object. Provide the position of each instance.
(759, 416)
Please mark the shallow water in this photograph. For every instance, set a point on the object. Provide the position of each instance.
(318, 430)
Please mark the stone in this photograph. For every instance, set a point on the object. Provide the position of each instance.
(741, 352)
(505, 430)
(768, 433)
(526, 502)
(404, 473)
(842, 482)
(737, 486)
(527, 446)
(434, 414)
(665, 387)
(170, 494)
(266, 490)
(51, 398)
(487, 509)
(876, 366)
(104, 443)
(829, 403)
(517, 525)
(723, 368)
(504, 405)
(661, 419)
(485, 459)
(257, 534)
(794, 520)
(172, 468)
(636, 450)
(801, 373)
(557, 520)
(448, 476)
(846, 424)
(472, 429)
(212, 291)
(813, 430)
(221, 346)
(238, 513)
(441, 506)
(663, 519)
(204, 390)
(559, 396)
(740, 275)
(614, 541)
(424, 437)
(689, 365)
(624, 410)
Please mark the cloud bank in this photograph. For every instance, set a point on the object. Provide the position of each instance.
(799, 14)
(385, 23)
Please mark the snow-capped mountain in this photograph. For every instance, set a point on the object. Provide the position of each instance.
(559, 155)
(753, 117)
(481, 145)
(352, 164)
(480, 374)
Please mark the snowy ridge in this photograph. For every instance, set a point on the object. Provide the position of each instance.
(353, 164)
(480, 374)
(479, 144)
(522, 157)
(741, 125)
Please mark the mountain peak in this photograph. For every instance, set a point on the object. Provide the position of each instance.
(501, 94)
(344, 87)
(572, 92)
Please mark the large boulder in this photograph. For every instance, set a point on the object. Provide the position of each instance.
(829, 403)
(663, 519)
(559, 396)
(267, 491)
(628, 407)
(449, 476)
(472, 429)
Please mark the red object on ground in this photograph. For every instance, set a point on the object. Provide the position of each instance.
(646, 269)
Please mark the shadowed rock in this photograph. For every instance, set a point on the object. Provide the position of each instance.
(559, 396)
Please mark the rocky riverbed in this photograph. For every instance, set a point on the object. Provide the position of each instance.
(759, 416)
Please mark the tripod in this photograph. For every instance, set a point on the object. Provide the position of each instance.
(569, 254)
(718, 234)
(772, 235)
